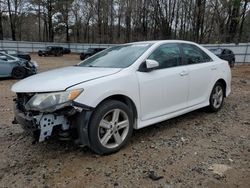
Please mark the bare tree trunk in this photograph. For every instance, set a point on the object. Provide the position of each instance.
(203, 9)
(50, 29)
(243, 16)
(111, 31)
(39, 21)
(99, 21)
(177, 19)
(197, 20)
(67, 21)
(77, 31)
(119, 22)
(12, 24)
(128, 21)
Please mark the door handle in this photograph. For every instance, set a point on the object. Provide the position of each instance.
(184, 73)
(213, 68)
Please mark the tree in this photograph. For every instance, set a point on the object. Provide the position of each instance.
(118, 21)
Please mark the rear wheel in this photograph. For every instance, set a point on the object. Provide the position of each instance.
(18, 72)
(110, 127)
(217, 97)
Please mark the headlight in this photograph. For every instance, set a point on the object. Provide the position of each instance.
(52, 101)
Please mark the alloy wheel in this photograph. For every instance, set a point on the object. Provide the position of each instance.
(113, 128)
(217, 96)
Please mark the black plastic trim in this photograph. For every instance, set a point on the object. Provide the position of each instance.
(83, 106)
(83, 121)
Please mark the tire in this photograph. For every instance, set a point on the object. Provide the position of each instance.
(114, 131)
(58, 54)
(18, 72)
(232, 63)
(216, 97)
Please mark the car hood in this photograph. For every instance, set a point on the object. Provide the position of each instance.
(61, 79)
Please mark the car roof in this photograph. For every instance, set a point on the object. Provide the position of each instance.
(162, 41)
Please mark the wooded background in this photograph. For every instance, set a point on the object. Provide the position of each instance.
(119, 21)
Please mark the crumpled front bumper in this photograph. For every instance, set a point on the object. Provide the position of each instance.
(31, 70)
(41, 124)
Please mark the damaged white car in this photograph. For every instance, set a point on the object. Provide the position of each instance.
(122, 88)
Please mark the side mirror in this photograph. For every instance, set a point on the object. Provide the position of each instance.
(151, 64)
(148, 65)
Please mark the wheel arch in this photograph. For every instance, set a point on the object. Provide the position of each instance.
(224, 84)
(126, 100)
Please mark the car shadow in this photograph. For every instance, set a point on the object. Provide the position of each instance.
(147, 133)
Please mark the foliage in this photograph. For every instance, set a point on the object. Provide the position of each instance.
(118, 21)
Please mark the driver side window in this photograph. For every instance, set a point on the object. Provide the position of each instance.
(167, 55)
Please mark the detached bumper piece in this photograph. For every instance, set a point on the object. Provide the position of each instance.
(68, 123)
(42, 124)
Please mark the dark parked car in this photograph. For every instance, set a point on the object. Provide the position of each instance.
(18, 54)
(66, 51)
(90, 52)
(15, 67)
(225, 54)
(51, 50)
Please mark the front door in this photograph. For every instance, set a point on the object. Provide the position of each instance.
(165, 89)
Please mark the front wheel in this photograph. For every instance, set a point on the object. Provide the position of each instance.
(18, 72)
(110, 127)
(217, 97)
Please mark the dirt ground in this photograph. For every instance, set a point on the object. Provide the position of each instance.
(199, 149)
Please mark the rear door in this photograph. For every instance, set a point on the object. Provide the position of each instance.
(165, 89)
(201, 70)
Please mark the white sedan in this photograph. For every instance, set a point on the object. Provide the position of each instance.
(122, 88)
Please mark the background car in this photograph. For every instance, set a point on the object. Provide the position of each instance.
(225, 54)
(51, 50)
(66, 51)
(90, 52)
(11, 66)
(18, 54)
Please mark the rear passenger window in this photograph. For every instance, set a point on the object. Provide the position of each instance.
(167, 55)
(194, 55)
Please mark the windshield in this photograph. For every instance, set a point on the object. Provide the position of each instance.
(116, 57)
(90, 50)
(6, 56)
(216, 51)
(12, 52)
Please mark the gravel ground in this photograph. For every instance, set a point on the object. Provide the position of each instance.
(199, 149)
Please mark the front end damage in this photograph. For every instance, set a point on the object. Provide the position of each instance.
(69, 122)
